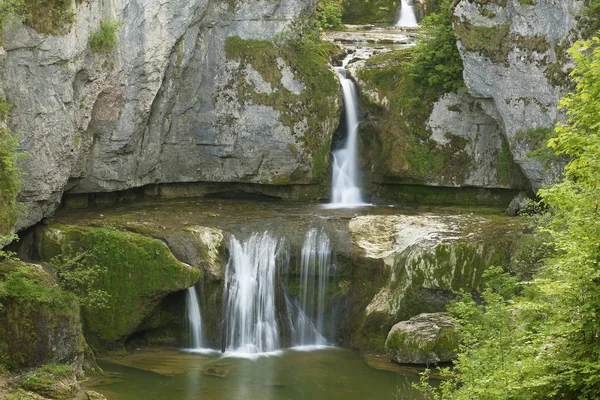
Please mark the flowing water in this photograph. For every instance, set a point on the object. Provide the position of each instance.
(316, 270)
(251, 325)
(407, 17)
(331, 374)
(194, 318)
(345, 187)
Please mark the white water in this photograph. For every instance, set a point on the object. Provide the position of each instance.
(315, 269)
(194, 318)
(345, 187)
(407, 18)
(251, 324)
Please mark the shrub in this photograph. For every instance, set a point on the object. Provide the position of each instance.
(105, 39)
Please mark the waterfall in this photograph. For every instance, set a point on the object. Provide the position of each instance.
(407, 15)
(345, 191)
(315, 270)
(194, 318)
(251, 324)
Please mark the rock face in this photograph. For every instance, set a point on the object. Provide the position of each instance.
(423, 339)
(163, 107)
(514, 56)
(426, 259)
(449, 143)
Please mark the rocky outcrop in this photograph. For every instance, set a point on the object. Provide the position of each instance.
(447, 143)
(514, 56)
(134, 272)
(426, 258)
(423, 339)
(164, 106)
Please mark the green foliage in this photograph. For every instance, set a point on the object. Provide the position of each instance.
(412, 80)
(10, 176)
(328, 15)
(436, 60)
(10, 12)
(589, 23)
(370, 12)
(539, 339)
(104, 40)
(82, 279)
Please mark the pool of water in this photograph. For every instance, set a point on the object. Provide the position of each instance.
(289, 375)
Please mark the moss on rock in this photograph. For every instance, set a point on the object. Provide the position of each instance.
(140, 272)
(299, 84)
(39, 322)
(370, 12)
(423, 339)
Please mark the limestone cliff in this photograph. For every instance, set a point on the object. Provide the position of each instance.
(514, 56)
(515, 71)
(164, 106)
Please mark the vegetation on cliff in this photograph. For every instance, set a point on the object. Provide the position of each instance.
(10, 181)
(316, 104)
(412, 80)
(539, 339)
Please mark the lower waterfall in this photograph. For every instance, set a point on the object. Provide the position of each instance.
(315, 270)
(253, 284)
(194, 318)
(251, 325)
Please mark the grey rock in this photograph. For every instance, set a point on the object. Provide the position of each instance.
(423, 339)
(161, 108)
(522, 98)
(517, 204)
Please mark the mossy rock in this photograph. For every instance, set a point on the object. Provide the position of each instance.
(370, 12)
(55, 381)
(424, 339)
(140, 272)
(39, 322)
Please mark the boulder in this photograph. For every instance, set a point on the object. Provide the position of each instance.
(137, 273)
(424, 339)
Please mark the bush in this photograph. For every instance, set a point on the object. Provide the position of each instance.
(328, 15)
(105, 39)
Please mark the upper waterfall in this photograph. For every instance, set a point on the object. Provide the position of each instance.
(345, 185)
(407, 17)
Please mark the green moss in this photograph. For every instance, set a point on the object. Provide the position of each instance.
(527, 2)
(140, 271)
(491, 42)
(501, 3)
(56, 381)
(34, 310)
(533, 44)
(370, 12)
(309, 60)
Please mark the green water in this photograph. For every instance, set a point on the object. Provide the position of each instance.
(324, 374)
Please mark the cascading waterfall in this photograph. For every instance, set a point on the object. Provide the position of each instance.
(251, 324)
(250, 292)
(194, 318)
(315, 269)
(345, 190)
(407, 17)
